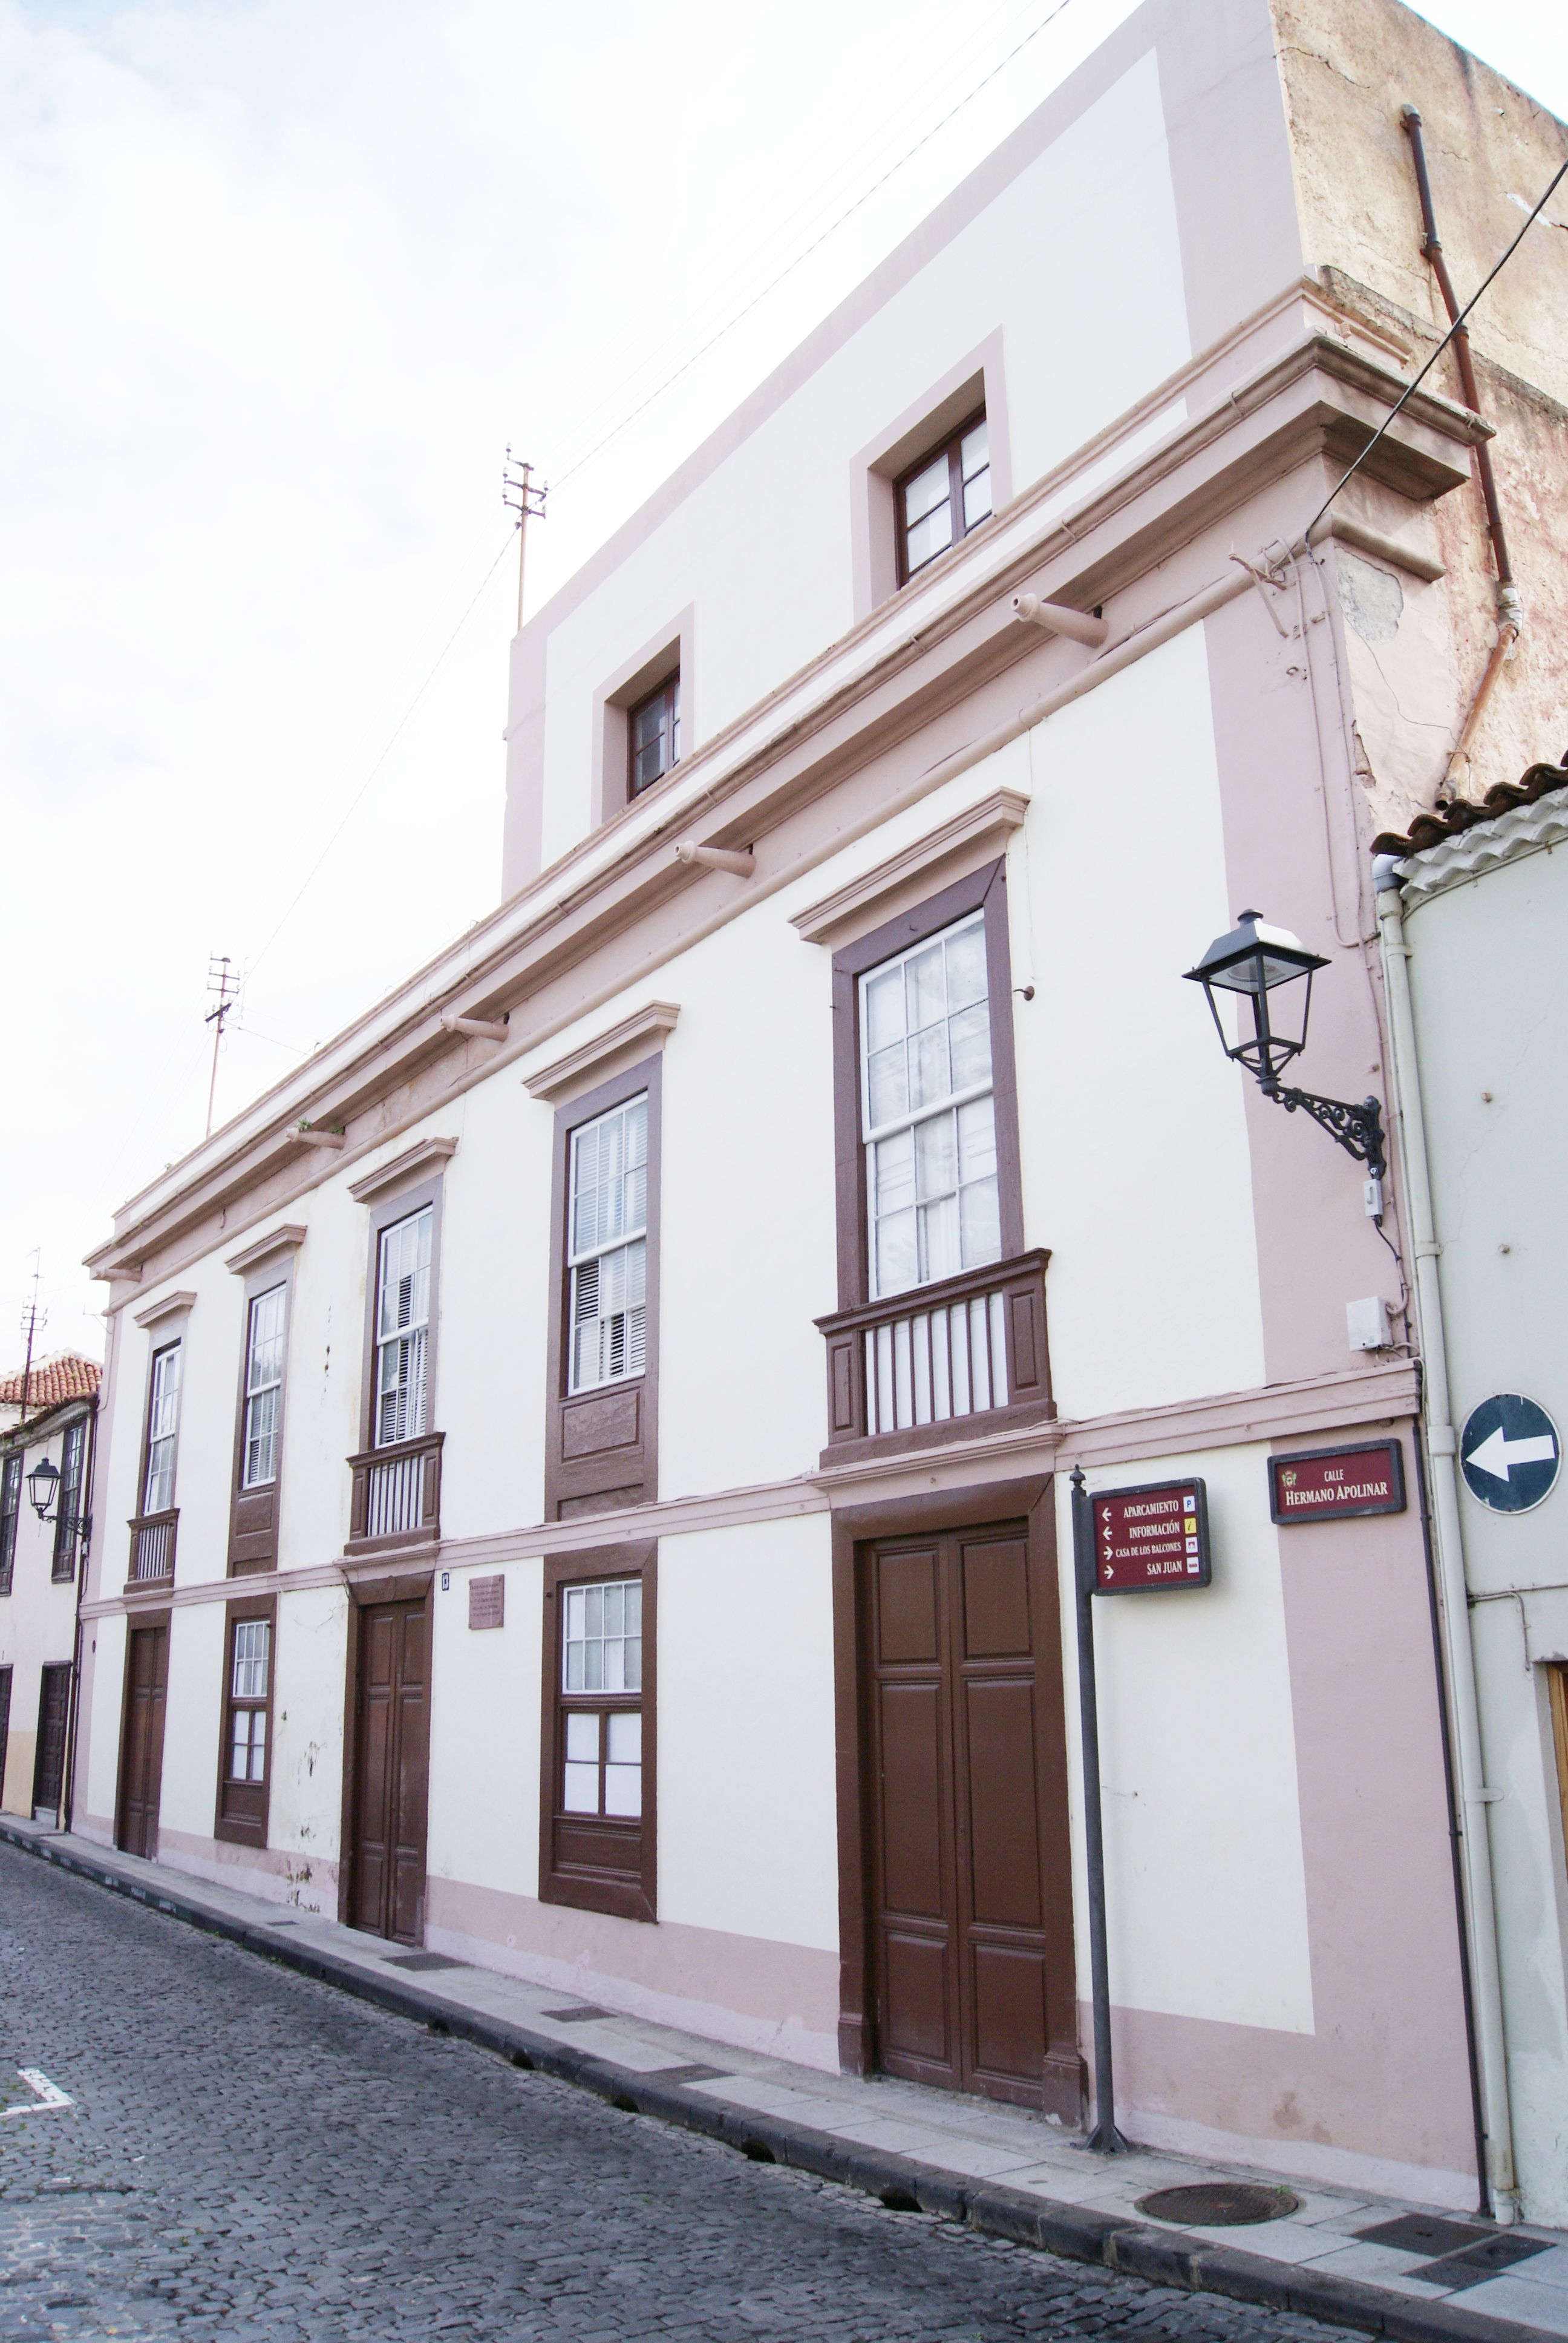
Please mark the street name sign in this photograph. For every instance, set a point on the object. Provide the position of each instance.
(1510, 1452)
(1145, 1539)
(1336, 1484)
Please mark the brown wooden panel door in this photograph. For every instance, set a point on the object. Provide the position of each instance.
(969, 1892)
(391, 1771)
(49, 1766)
(142, 1741)
(5, 1726)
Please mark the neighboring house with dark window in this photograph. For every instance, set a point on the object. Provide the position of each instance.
(48, 1418)
(589, 1480)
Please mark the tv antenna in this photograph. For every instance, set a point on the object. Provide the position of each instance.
(34, 1321)
(223, 989)
(523, 495)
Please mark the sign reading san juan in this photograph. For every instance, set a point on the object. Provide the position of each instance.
(1336, 1484)
(1510, 1454)
(1145, 1539)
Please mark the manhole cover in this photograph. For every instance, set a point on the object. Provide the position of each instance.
(1220, 2204)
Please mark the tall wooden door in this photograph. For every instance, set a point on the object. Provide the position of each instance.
(391, 1775)
(49, 1764)
(5, 1726)
(142, 1741)
(970, 1881)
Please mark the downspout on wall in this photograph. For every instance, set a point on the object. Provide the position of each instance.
(1474, 1797)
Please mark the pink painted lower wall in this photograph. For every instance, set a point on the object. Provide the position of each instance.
(745, 1990)
(305, 1882)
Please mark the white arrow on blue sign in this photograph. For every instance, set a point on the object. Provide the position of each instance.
(1510, 1452)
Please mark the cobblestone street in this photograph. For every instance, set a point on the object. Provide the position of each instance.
(249, 2155)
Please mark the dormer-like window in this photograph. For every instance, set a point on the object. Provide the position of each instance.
(653, 735)
(946, 495)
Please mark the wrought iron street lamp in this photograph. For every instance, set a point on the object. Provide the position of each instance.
(1259, 962)
(43, 1488)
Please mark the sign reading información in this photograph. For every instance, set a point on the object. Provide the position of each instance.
(1336, 1484)
(1149, 1538)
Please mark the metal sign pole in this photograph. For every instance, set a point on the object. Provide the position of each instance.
(1104, 2139)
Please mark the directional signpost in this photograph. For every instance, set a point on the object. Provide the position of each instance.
(1510, 1452)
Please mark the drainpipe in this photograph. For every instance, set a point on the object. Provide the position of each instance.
(1510, 611)
(1453, 1604)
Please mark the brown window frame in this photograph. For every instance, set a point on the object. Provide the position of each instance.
(667, 695)
(176, 1335)
(384, 1212)
(950, 448)
(627, 1890)
(243, 1806)
(983, 890)
(1557, 1702)
(580, 1477)
(11, 1466)
(69, 1501)
(253, 1537)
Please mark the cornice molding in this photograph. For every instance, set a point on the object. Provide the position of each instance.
(168, 1306)
(430, 1155)
(594, 1061)
(860, 905)
(287, 1239)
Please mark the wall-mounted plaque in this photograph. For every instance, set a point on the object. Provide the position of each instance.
(487, 1602)
(1337, 1484)
(1146, 1539)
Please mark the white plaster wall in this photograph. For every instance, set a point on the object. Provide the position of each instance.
(193, 1721)
(1490, 980)
(748, 1831)
(1206, 1894)
(210, 1334)
(98, 1783)
(1076, 261)
(305, 1805)
(1136, 1167)
(323, 1373)
(485, 1734)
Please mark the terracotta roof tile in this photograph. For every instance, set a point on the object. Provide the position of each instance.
(1447, 822)
(53, 1381)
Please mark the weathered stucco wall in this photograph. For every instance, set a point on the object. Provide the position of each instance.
(1347, 69)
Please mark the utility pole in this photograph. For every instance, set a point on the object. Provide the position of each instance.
(224, 989)
(523, 495)
(33, 1318)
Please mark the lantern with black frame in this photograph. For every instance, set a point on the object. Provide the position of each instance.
(43, 1488)
(1258, 962)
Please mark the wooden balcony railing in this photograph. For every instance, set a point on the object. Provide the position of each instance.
(153, 1547)
(397, 1494)
(943, 1360)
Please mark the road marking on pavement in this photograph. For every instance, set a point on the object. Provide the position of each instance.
(46, 2095)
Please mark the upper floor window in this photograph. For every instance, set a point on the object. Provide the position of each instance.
(68, 1501)
(606, 1247)
(10, 1512)
(403, 1328)
(163, 1421)
(248, 1672)
(928, 1113)
(653, 735)
(947, 494)
(263, 1387)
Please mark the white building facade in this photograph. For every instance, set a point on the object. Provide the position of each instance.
(48, 1421)
(586, 1460)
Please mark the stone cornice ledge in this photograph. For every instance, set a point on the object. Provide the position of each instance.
(429, 1156)
(287, 1239)
(992, 821)
(168, 1305)
(593, 1061)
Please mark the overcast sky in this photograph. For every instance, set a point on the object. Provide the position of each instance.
(281, 278)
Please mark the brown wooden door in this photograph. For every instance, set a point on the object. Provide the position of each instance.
(391, 1771)
(970, 1898)
(142, 1741)
(49, 1766)
(5, 1726)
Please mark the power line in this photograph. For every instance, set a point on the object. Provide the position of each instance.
(790, 267)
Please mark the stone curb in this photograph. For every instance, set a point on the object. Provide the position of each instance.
(1162, 2257)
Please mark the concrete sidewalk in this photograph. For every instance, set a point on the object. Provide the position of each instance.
(1383, 2266)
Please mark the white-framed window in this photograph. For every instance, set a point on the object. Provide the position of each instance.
(927, 1114)
(402, 1327)
(601, 1652)
(248, 1695)
(163, 1421)
(263, 1386)
(607, 1246)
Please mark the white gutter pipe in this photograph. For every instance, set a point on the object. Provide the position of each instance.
(1452, 1586)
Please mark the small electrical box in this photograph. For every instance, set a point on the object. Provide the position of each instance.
(1366, 1322)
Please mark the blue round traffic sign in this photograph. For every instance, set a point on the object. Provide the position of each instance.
(1510, 1452)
